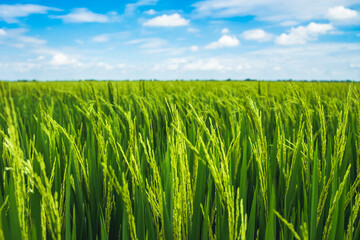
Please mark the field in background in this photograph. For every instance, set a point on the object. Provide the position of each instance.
(179, 160)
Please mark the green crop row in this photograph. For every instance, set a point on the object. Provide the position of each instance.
(179, 160)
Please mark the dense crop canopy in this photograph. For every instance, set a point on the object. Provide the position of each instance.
(179, 160)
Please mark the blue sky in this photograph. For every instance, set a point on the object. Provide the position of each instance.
(162, 39)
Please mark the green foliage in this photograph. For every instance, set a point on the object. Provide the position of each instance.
(179, 160)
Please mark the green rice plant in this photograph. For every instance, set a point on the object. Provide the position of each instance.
(179, 160)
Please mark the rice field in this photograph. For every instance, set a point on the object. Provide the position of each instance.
(179, 160)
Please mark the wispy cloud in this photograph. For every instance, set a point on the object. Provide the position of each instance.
(17, 37)
(194, 48)
(84, 15)
(205, 65)
(132, 7)
(106, 37)
(274, 10)
(191, 64)
(156, 46)
(192, 30)
(355, 65)
(173, 20)
(11, 13)
(288, 23)
(148, 42)
(3, 32)
(150, 12)
(225, 31)
(31, 40)
(100, 38)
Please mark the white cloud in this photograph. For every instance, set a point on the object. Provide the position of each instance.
(136, 41)
(205, 65)
(336, 32)
(59, 59)
(10, 13)
(39, 58)
(106, 37)
(153, 43)
(273, 10)
(257, 35)
(174, 20)
(78, 41)
(18, 67)
(171, 64)
(31, 40)
(156, 46)
(341, 13)
(303, 34)
(108, 66)
(194, 48)
(277, 68)
(355, 65)
(193, 30)
(288, 23)
(121, 65)
(18, 39)
(132, 7)
(150, 12)
(100, 38)
(54, 59)
(166, 50)
(105, 65)
(332, 61)
(241, 67)
(17, 45)
(224, 41)
(192, 65)
(150, 43)
(84, 15)
(225, 31)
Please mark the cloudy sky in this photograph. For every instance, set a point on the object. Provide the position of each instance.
(164, 39)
